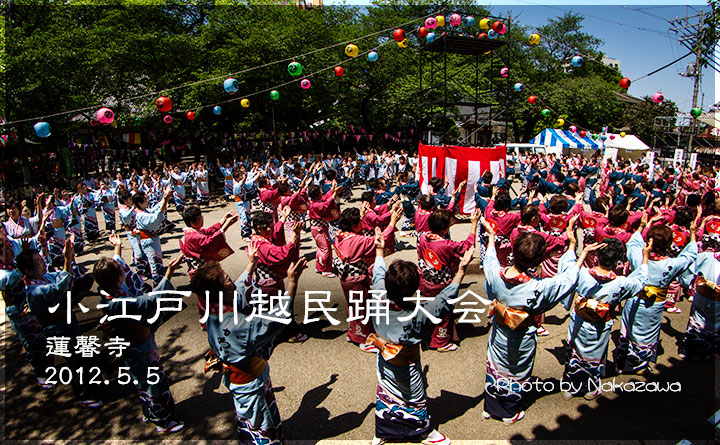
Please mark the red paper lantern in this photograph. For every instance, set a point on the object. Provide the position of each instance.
(163, 104)
(339, 71)
(422, 32)
(399, 35)
(532, 99)
(483, 35)
(582, 133)
(624, 83)
(497, 26)
(191, 115)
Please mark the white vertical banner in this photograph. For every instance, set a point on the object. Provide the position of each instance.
(693, 160)
(425, 178)
(498, 170)
(474, 174)
(450, 169)
(651, 162)
(679, 155)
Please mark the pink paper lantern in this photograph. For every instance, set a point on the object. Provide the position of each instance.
(504, 71)
(105, 115)
(573, 128)
(167, 119)
(305, 84)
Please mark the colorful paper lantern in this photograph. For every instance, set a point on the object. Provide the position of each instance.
(190, 115)
(167, 119)
(469, 20)
(560, 122)
(695, 112)
(399, 35)
(352, 50)
(624, 83)
(497, 26)
(339, 71)
(622, 134)
(372, 56)
(305, 84)
(492, 34)
(245, 103)
(482, 35)
(577, 61)
(440, 21)
(532, 100)
(658, 97)
(163, 104)
(518, 87)
(217, 110)
(504, 71)
(105, 115)
(430, 23)
(534, 38)
(455, 19)
(612, 136)
(42, 129)
(274, 95)
(422, 32)
(573, 128)
(403, 44)
(430, 37)
(485, 23)
(545, 112)
(294, 68)
(582, 133)
(231, 85)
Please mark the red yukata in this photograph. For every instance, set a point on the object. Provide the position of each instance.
(274, 258)
(270, 200)
(438, 262)
(379, 217)
(320, 213)
(354, 267)
(503, 224)
(421, 221)
(299, 205)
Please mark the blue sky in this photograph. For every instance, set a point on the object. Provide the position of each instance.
(635, 32)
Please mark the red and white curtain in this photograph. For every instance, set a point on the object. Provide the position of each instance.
(456, 164)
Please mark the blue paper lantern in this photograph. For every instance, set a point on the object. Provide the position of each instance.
(492, 34)
(372, 56)
(42, 129)
(518, 86)
(430, 37)
(217, 110)
(469, 20)
(231, 85)
(577, 61)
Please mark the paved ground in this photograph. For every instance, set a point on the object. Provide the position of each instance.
(325, 387)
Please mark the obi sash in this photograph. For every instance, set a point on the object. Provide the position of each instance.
(707, 289)
(592, 310)
(318, 222)
(397, 355)
(510, 317)
(144, 234)
(653, 294)
(246, 371)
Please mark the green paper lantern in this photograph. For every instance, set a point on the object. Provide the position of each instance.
(274, 95)
(696, 112)
(545, 112)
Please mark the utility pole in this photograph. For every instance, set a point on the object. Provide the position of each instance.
(691, 33)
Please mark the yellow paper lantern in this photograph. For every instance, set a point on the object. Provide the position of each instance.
(440, 21)
(560, 122)
(485, 24)
(534, 39)
(622, 134)
(403, 43)
(245, 103)
(352, 50)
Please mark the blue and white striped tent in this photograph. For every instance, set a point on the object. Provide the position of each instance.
(551, 137)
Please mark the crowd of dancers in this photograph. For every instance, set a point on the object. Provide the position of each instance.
(650, 237)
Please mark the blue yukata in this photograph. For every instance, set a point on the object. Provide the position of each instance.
(156, 400)
(401, 408)
(25, 324)
(127, 219)
(202, 189)
(49, 291)
(643, 313)
(702, 337)
(107, 204)
(511, 353)
(148, 223)
(85, 206)
(227, 181)
(178, 185)
(55, 223)
(243, 194)
(589, 331)
(240, 343)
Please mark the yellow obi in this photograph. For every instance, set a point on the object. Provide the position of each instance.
(654, 294)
